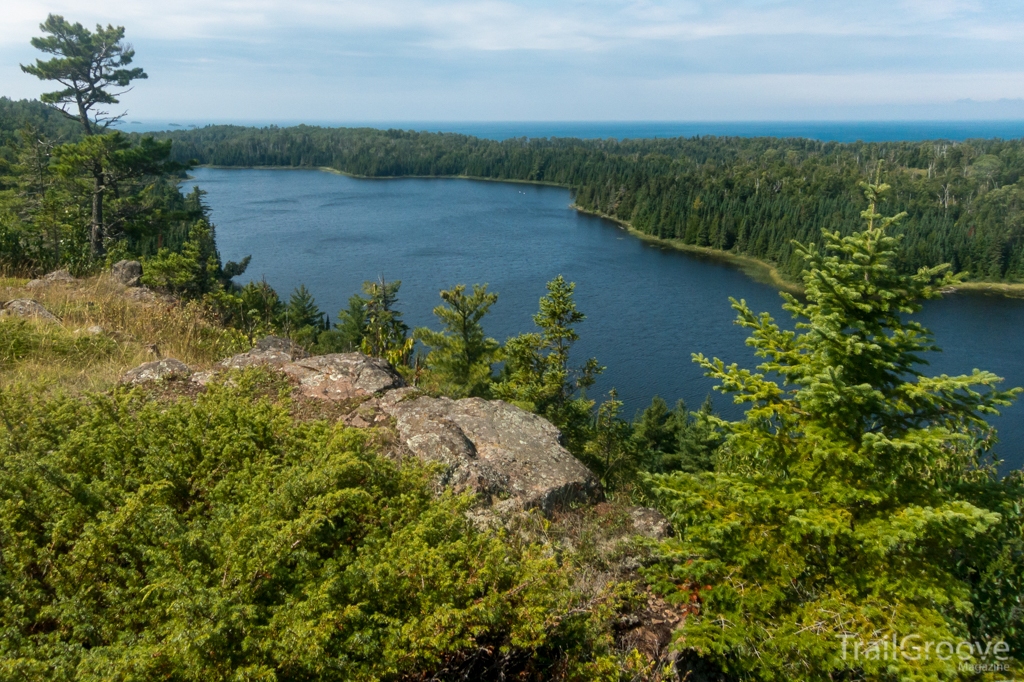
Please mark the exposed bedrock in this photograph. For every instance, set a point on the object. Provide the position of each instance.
(511, 457)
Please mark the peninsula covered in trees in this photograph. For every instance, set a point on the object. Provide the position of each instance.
(749, 196)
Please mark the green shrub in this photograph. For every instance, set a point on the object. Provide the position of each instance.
(218, 538)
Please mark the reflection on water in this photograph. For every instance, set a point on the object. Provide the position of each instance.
(647, 308)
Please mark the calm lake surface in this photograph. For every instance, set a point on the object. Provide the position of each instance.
(647, 308)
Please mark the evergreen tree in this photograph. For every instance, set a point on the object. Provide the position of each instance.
(537, 375)
(107, 163)
(461, 355)
(191, 272)
(676, 439)
(303, 320)
(609, 450)
(39, 199)
(849, 509)
(259, 310)
(88, 65)
(348, 332)
(385, 334)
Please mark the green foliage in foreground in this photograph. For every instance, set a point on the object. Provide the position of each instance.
(220, 539)
(857, 501)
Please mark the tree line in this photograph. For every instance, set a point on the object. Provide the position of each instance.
(750, 196)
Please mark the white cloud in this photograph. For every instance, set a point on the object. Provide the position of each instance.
(656, 55)
(500, 24)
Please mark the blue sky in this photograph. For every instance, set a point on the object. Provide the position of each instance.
(417, 60)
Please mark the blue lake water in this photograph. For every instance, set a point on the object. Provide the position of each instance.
(828, 131)
(647, 308)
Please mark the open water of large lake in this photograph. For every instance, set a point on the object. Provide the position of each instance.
(647, 308)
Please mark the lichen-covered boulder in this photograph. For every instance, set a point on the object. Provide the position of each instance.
(341, 376)
(650, 522)
(127, 272)
(511, 457)
(26, 307)
(271, 350)
(158, 370)
(55, 277)
(59, 276)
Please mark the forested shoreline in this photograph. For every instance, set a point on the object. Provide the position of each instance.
(747, 196)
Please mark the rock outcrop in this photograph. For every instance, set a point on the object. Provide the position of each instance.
(127, 272)
(26, 307)
(511, 457)
(342, 376)
(141, 294)
(650, 523)
(158, 370)
(271, 350)
(55, 277)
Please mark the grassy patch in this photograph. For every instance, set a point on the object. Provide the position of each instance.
(1008, 289)
(67, 355)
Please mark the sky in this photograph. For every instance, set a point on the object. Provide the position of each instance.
(321, 61)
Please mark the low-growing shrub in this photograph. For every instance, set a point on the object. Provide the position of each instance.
(218, 538)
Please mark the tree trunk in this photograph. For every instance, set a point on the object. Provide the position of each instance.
(96, 231)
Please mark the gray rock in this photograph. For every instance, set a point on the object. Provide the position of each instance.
(650, 523)
(393, 397)
(59, 276)
(141, 294)
(158, 370)
(26, 307)
(271, 350)
(511, 457)
(340, 376)
(203, 377)
(55, 277)
(127, 272)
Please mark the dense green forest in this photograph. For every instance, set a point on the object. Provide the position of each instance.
(750, 196)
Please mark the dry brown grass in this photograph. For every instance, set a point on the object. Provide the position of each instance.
(65, 355)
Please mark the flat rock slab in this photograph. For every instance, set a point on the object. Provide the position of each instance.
(341, 376)
(158, 370)
(26, 307)
(512, 458)
(271, 350)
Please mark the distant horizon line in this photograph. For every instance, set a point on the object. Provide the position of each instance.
(191, 121)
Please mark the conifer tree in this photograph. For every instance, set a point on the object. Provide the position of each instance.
(835, 534)
(461, 355)
(537, 375)
(88, 64)
(303, 320)
(385, 334)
